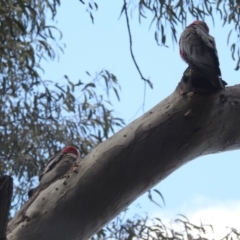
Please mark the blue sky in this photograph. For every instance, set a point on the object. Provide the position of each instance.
(202, 184)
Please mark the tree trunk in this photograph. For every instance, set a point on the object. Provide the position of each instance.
(6, 189)
(180, 128)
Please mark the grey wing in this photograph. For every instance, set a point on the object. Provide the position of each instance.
(61, 167)
(50, 165)
(211, 50)
(200, 50)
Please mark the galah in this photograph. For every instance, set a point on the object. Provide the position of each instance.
(57, 166)
(197, 48)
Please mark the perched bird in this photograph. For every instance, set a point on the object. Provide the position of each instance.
(198, 49)
(57, 166)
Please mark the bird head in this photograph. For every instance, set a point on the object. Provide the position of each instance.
(71, 149)
(203, 24)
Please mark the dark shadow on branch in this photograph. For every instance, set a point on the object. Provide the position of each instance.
(6, 188)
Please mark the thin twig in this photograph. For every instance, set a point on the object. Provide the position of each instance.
(131, 51)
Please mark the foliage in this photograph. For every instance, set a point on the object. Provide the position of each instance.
(91, 6)
(25, 39)
(39, 117)
(144, 228)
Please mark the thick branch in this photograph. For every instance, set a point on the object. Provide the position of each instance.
(180, 128)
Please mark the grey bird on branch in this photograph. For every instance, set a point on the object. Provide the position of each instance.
(56, 167)
(198, 49)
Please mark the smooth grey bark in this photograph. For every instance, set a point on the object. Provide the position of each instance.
(180, 128)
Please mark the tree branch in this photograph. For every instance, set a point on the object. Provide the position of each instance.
(179, 129)
(131, 50)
